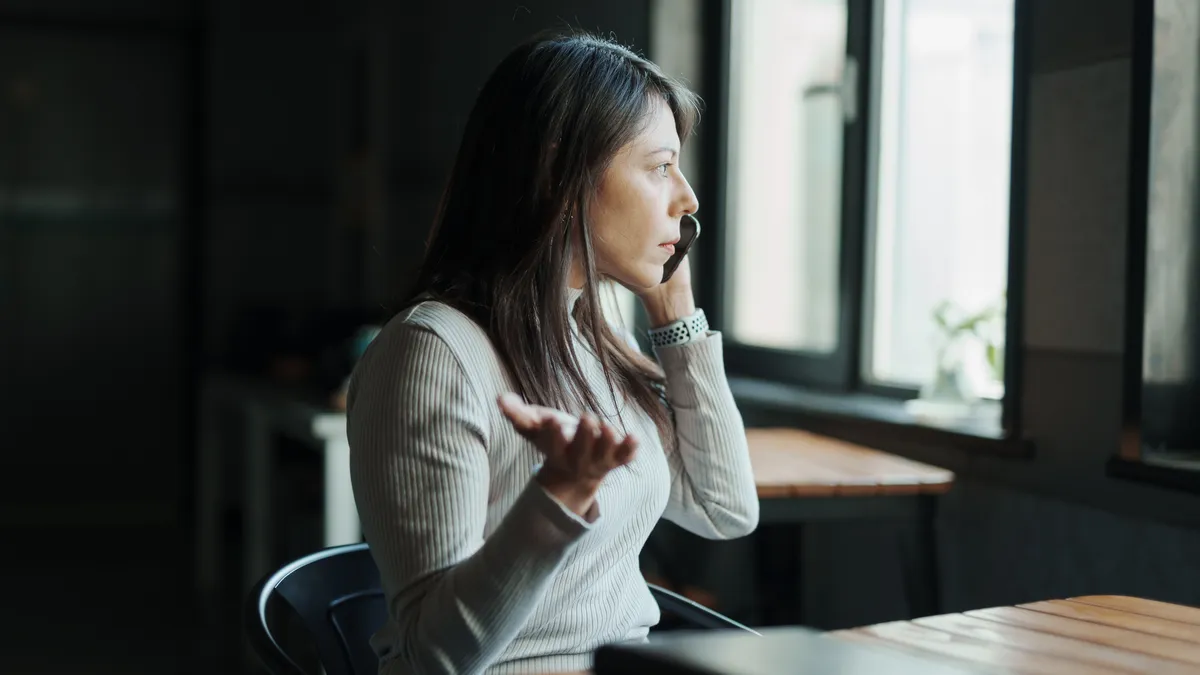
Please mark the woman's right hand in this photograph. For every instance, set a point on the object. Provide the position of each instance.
(577, 457)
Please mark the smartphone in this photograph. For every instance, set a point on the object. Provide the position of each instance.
(689, 232)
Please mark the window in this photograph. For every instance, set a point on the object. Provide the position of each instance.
(867, 156)
(1172, 194)
(785, 158)
(1160, 435)
(940, 223)
(1166, 392)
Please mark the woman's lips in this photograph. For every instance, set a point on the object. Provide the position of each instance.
(669, 248)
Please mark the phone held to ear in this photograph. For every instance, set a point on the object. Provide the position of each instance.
(689, 232)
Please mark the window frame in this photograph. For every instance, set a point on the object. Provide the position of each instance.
(837, 370)
(840, 372)
(1129, 461)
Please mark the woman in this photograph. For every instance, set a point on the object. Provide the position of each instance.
(508, 538)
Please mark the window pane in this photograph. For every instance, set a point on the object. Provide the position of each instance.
(940, 231)
(1173, 204)
(1170, 435)
(785, 159)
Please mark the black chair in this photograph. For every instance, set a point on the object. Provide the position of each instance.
(693, 614)
(337, 597)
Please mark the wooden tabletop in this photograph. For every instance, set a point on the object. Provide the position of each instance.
(795, 463)
(1090, 634)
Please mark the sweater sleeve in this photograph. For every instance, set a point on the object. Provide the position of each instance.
(713, 493)
(419, 467)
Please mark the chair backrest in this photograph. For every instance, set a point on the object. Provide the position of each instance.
(337, 596)
(693, 613)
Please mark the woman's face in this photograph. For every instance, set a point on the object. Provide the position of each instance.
(639, 203)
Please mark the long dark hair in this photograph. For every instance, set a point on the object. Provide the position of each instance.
(545, 127)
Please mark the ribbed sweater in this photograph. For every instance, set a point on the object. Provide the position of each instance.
(483, 570)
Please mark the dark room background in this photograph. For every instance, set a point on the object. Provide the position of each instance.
(190, 186)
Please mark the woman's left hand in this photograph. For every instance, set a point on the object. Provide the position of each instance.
(672, 300)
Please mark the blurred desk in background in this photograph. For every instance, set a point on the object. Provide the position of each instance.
(804, 477)
(255, 411)
(801, 477)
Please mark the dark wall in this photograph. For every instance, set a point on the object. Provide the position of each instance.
(439, 57)
(116, 119)
(93, 219)
(1016, 530)
(271, 77)
(165, 168)
(333, 130)
(96, 116)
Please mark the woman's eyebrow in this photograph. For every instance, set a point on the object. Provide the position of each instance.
(665, 148)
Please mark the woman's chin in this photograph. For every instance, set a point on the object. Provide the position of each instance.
(639, 280)
(649, 279)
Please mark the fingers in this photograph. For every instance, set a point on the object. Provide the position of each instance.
(586, 446)
(607, 437)
(618, 449)
(579, 451)
(528, 418)
(550, 438)
(625, 451)
(600, 446)
(517, 412)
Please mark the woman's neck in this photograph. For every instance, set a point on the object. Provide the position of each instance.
(573, 295)
(577, 278)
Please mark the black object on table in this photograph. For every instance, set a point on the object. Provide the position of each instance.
(779, 651)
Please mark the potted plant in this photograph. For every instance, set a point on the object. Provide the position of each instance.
(960, 335)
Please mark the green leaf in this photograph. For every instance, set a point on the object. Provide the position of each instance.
(995, 358)
(939, 316)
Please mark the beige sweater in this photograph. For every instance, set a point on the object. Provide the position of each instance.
(483, 570)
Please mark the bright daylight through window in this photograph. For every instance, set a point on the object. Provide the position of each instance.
(785, 172)
(937, 165)
(939, 246)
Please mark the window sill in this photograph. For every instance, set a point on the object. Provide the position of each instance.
(1183, 475)
(881, 413)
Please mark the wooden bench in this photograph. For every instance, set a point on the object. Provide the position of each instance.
(803, 478)
(1090, 634)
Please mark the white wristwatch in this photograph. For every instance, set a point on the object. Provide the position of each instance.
(680, 332)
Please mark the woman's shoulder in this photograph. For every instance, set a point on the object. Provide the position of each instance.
(429, 354)
(433, 325)
(441, 318)
(433, 344)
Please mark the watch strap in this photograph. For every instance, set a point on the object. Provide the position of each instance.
(680, 332)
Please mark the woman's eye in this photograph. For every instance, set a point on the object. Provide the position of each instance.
(662, 169)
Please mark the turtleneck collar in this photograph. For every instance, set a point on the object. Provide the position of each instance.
(573, 295)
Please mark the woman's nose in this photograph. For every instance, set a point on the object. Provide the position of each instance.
(688, 203)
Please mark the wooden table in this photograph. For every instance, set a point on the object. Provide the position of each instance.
(791, 463)
(803, 477)
(1090, 634)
